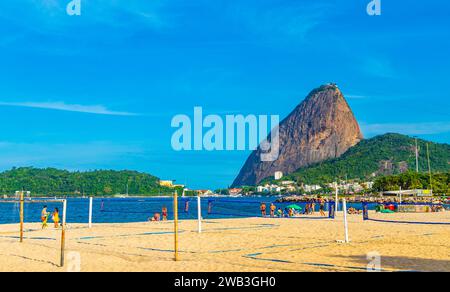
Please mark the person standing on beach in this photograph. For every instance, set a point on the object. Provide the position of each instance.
(291, 212)
(44, 217)
(306, 212)
(164, 213)
(322, 207)
(272, 210)
(263, 209)
(55, 218)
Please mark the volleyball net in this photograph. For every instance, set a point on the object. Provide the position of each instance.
(260, 207)
(117, 210)
(32, 210)
(33, 215)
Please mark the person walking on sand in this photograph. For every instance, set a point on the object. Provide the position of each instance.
(263, 209)
(44, 217)
(55, 218)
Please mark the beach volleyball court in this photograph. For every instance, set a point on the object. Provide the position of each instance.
(250, 244)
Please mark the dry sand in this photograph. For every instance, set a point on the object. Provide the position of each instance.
(254, 244)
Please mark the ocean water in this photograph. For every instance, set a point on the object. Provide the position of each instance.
(116, 210)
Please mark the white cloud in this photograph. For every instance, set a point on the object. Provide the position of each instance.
(61, 106)
(407, 129)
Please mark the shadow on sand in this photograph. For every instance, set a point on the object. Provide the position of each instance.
(403, 264)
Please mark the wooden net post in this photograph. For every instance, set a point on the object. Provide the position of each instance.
(21, 215)
(175, 220)
(344, 206)
(199, 213)
(91, 199)
(63, 233)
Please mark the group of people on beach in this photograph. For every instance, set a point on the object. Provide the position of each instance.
(45, 215)
(310, 209)
(163, 215)
(371, 199)
(159, 216)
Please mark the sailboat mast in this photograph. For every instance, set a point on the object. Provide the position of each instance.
(429, 168)
(417, 157)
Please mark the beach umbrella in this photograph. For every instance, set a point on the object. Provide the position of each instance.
(295, 207)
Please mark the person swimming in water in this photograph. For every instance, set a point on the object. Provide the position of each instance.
(44, 217)
(55, 218)
(210, 205)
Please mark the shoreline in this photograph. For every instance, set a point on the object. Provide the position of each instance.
(234, 245)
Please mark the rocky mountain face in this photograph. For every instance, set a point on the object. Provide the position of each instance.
(388, 154)
(321, 127)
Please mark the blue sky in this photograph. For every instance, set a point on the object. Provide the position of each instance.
(99, 90)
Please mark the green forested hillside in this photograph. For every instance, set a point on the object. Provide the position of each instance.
(52, 181)
(388, 154)
(440, 182)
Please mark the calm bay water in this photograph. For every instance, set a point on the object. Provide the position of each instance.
(116, 210)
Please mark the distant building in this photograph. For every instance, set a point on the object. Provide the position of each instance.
(278, 175)
(417, 193)
(269, 188)
(312, 188)
(261, 189)
(166, 183)
(205, 192)
(235, 191)
(367, 185)
(291, 188)
(288, 183)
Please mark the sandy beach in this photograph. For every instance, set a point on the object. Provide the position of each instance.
(255, 244)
